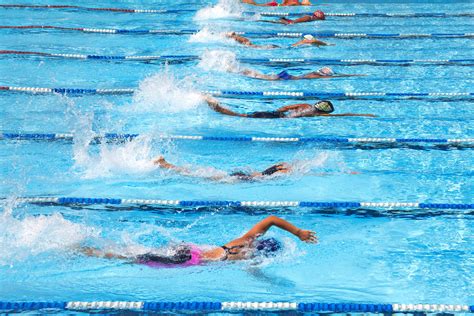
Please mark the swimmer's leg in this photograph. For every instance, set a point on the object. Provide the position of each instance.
(95, 252)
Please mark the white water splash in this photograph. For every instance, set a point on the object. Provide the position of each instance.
(205, 35)
(132, 157)
(223, 9)
(219, 60)
(32, 235)
(163, 92)
(304, 166)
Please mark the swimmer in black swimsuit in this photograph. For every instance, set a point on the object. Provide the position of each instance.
(321, 108)
(248, 246)
(280, 168)
(323, 73)
(308, 40)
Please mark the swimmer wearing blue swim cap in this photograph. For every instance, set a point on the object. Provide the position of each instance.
(248, 246)
(322, 73)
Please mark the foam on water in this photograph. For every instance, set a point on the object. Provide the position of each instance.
(219, 60)
(163, 92)
(132, 157)
(223, 9)
(205, 35)
(23, 237)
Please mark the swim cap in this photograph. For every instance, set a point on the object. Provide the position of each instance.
(324, 107)
(267, 246)
(326, 71)
(319, 15)
(309, 37)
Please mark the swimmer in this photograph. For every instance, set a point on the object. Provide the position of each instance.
(279, 168)
(323, 73)
(309, 39)
(274, 3)
(317, 15)
(249, 246)
(321, 108)
(246, 42)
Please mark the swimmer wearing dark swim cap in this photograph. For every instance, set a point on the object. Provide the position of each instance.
(320, 108)
(248, 246)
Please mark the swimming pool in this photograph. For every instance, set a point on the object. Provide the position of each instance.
(366, 254)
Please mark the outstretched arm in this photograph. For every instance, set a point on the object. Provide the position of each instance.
(311, 42)
(95, 252)
(293, 107)
(257, 75)
(349, 114)
(264, 225)
(215, 105)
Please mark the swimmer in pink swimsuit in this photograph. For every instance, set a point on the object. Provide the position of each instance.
(248, 246)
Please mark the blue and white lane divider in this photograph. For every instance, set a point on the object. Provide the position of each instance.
(350, 140)
(183, 58)
(245, 94)
(224, 203)
(250, 34)
(237, 306)
(170, 11)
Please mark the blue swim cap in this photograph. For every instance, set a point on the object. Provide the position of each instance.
(267, 246)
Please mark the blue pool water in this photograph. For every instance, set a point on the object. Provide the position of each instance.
(363, 255)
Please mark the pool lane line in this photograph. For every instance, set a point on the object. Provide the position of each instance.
(183, 58)
(350, 140)
(235, 306)
(341, 35)
(267, 13)
(234, 203)
(36, 91)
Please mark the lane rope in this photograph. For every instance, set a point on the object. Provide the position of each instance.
(168, 11)
(250, 34)
(350, 140)
(183, 58)
(236, 306)
(241, 94)
(232, 203)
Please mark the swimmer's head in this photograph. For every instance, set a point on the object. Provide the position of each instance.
(267, 247)
(308, 37)
(326, 71)
(324, 107)
(318, 14)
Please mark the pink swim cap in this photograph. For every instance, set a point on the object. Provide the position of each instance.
(318, 14)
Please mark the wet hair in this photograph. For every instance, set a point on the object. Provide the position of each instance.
(267, 247)
(182, 254)
(324, 106)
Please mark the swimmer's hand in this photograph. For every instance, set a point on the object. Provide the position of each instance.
(160, 161)
(308, 236)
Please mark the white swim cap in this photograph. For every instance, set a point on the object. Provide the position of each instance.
(308, 37)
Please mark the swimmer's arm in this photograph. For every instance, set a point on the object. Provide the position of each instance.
(303, 19)
(162, 163)
(264, 225)
(347, 75)
(292, 107)
(257, 75)
(301, 42)
(95, 252)
(349, 114)
(215, 105)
